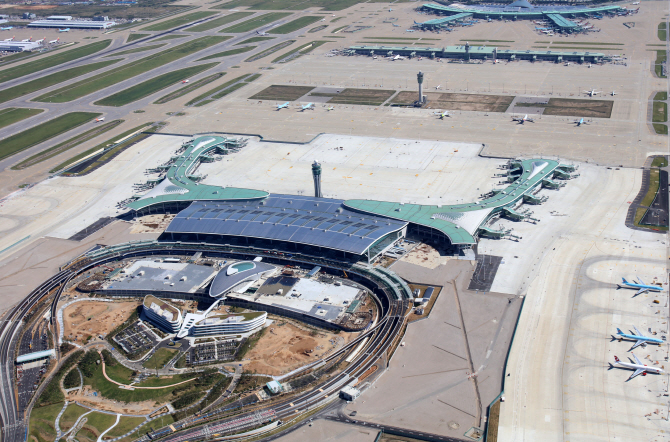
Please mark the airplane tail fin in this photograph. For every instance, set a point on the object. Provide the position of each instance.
(619, 332)
(616, 359)
(624, 280)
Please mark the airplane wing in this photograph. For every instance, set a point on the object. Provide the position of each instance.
(637, 343)
(641, 281)
(637, 331)
(638, 372)
(639, 292)
(636, 359)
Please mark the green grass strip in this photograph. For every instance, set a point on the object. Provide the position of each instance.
(296, 24)
(493, 41)
(130, 70)
(42, 132)
(254, 40)
(171, 37)
(662, 32)
(661, 96)
(336, 30)
(391, 38)
(54, 60)
(659, 162)
(13, 115)
(189, 88)
(227, 53)
(272, 50)
(215, 93)
(660, 129)
(255, 22)
(66, 145)
(217, 22)
(151, 86)
(302, 49)
(133, 51)
(133, 37)
(178, 21)
(100, 146)
(660, 112)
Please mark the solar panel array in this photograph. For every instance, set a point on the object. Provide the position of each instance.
(321, 222)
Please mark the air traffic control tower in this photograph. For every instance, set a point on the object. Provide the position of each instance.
(316, 174)
(419, 78)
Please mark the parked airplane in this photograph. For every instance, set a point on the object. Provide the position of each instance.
(8, 28)
(442, 114)
(40, 41)
(330, 108)
(282, 106)
(592, 92)
(639, 367)
(27, 39)
(397, 57)
(640, 285)
(9, 39)
(613, 93)
(635, 3)
(262, 33)
(438, 86)
(638, 337)
(580, 122)
(523, 120)
(184, 81)
(567, 64)
(53, 42)
(410, 30)
(100, 120)
(64, 30)
(308, 106)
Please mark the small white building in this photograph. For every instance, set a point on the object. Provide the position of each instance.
(349, 393)
(275, 387)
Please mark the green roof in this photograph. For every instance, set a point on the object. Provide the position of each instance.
(178, 187)
(435, 216)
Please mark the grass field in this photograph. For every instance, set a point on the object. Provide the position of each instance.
(254, 40)
(51, 61)
(100, 146)
(70, 416)
(189, 88)
(571, 107)
(130, 70)
(152, 86)
(217, 22)
(133, 51)
(227, 53)
(196, 101)
(296, 24)
(660, 112)
(270, 51)
(42, 422)
(13, 115)
(369, 97)
(661, 96)
(135, 36)
(336, 30)
(661, 57)
(42, 132)
(309, 47)
(660, 129)
(51, 80)
(327, 5)
(125, 424)
(662, 32)
(659, 162)
(66, 145)
(317, 29)
(161, 357)
(654, 182)
(161, 422)
(282, 93)
(96, 424)
(178, 21)
(171, 37)
(255, 22)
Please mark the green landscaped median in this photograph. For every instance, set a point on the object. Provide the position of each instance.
(255, 22)
(296, 24)
(178, 21)
(13, 115)
(154, 85)
(140, 49)
(54, 60)
(130, 70)
(51, 80)
(189, 88)
(133, 37)
(42, 132)
(217, 22)
(227, 53)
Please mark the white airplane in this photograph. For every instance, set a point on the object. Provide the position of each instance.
(27, 40)
(635, 3)
(100, 120)
(639, 367)
(523, 120)
(397, 57)
(438, 86)
(9, 39)
(53, 42)
(580, 122)
(330, 108)
(308, 106)
(184, 81)
(592, 92)
(40, 41)
(261, 33)
(640, 285)
(567, 64)
(589, 65)
(613, 93)
(496, 61)
(8, 28)
(410, 30)
(64, 30)
(282, 106)
(442, 114)
(323, 19)
(638, 337)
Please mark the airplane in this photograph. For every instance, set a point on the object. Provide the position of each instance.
(496, 61)
(592, 92)
(580, 122)
(523, 120)
(64, 30)
(8, 28)
(397, 57)
(282, 106)
(613, 93)
(442, 114)
(635, 3)
(567, 64)
(53, 42)
(639, 367)
(438, 86)
(330, 108)
(41, 41)
(638, 337)
(27, 40)
(100, 120)
(9, 39)
(261, 33)
(410, 30)
(308, 106)
(643, 288)
(184, 81)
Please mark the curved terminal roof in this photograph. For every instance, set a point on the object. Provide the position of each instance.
(519, 10)
(228, 278)
(320, 222)
(461, 221)
(177, 186)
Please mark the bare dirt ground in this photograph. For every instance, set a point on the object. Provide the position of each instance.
(95, 317)
(86, 398)
(425, 256)
(283, 348)
(151, 223)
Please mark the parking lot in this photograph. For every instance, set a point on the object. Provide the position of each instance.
(211, 352)
(135, 339)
